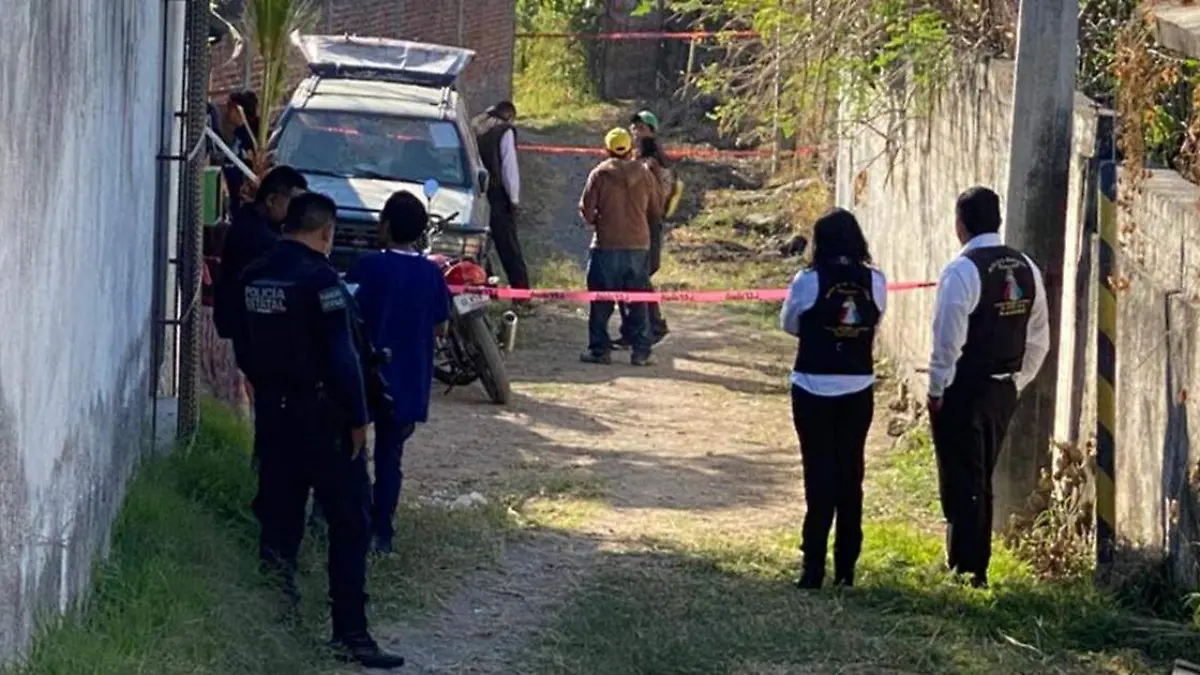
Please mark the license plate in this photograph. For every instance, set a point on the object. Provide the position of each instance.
(469, 302)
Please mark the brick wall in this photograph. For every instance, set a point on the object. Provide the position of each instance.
(486, 26)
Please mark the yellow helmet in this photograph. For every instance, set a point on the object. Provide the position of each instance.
(619, 141)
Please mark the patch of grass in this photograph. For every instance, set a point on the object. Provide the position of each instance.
(722, 605)
(180, 591)
(555, 270)
(902, 483)
(559, 499)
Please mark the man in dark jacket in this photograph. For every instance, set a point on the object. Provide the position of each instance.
(497, 140)
(254, 230)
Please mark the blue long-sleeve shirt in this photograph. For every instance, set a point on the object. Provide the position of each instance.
(403, 298)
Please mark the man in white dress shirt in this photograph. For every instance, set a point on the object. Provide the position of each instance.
(497, 139)
(991, 334)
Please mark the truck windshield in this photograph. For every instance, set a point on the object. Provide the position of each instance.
(359, 145)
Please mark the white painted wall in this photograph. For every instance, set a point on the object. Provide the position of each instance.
(80, 121)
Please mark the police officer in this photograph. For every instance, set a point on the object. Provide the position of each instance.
(991, 334)
(311, 416)
(253, 231)
(834, 307)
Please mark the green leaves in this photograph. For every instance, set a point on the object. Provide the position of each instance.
(270, 24)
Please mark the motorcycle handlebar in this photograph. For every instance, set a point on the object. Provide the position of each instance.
(437, 223)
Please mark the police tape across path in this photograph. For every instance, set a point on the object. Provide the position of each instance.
(755, 295)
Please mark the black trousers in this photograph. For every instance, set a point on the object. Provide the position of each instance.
(968, 433)
(833, 436)
(504, 236)
(658, 324)
(299, 450)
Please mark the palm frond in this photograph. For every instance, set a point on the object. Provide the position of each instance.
(270, 24)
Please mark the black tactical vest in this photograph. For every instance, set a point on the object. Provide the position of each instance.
(489, 132)
(996, 331)
(837, 335)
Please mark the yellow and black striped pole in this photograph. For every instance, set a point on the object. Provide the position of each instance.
(1106, 369)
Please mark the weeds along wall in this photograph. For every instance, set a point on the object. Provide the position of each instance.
(903, 189)
(81, 109)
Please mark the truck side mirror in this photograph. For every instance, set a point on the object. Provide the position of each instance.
(484, 180)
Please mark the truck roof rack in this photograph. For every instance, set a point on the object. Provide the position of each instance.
(382, 59)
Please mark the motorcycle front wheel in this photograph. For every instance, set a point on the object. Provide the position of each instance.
(488, 360)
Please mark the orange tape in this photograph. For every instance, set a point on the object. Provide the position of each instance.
(673, 153)
(642, 35)
(754, 295)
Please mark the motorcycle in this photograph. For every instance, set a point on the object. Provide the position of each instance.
(469, 349)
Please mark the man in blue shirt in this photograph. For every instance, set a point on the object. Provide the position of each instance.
(298, 346)
(404, 302)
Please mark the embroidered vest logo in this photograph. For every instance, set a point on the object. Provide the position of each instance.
(850, 315)
(1014, 300)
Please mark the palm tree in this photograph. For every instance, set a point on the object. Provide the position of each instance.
(269, 25)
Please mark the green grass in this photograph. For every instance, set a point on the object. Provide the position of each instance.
(728, 606)
(903, 481)
(180, 594)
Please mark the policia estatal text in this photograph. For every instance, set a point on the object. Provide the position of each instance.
(302, 353)
(990, 336)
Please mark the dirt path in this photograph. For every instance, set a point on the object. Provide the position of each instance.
(700, 445)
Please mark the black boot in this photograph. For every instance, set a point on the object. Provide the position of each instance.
(844, 578)
(362, 649)
(812, 573)
(843, 567)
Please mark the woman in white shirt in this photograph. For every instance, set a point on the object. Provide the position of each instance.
(834, 307)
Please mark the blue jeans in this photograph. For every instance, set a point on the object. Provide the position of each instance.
(390, 437)
(610, 270)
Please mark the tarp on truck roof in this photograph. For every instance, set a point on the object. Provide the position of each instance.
(385, 59)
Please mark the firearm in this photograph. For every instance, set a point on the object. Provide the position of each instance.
(381, 403)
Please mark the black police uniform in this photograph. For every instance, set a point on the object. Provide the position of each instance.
(298, 351)
(970, 428)
(250, 236)
(837, 337)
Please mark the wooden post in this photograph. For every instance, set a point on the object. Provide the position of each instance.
(778, 85)
(691, 64)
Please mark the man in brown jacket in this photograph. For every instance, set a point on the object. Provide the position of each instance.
(620, 201)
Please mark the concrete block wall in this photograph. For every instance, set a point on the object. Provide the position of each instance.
(81, 109)
(903, 191)
(486, 26)
(628, 68)
(1158, 364)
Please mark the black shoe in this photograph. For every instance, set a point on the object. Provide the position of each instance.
(662, 334)
(844, 580)
(381, 545)
(641, 360)
(979, 581)
(601, 358)
(362, 649)
(620, 344)
(810, 580)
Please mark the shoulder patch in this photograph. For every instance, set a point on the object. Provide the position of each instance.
(333, 299)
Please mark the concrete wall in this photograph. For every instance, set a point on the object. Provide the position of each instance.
(486, 26)
(1158, 364)
(904, 192)
(904, 189)
(79, 96)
